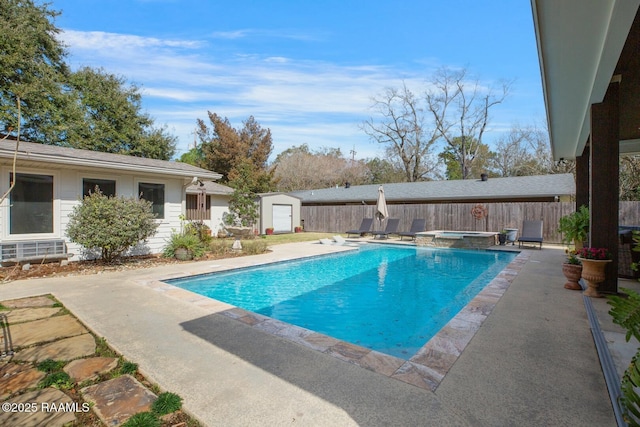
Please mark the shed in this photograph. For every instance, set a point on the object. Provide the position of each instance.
(279, 211)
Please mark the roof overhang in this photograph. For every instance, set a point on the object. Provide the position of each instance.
(579, 45)
(33, 159)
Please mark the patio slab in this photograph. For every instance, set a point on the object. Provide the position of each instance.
(44, 330)
(64, 349)
(116, 400)
(48, 407)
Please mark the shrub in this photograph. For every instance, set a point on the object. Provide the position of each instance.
(220, 246)
(625, 312)
(199, 229)
(254, 247)
(110, 226)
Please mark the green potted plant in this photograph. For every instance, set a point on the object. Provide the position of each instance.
(575, 227)
(183, 246)
(572, 270)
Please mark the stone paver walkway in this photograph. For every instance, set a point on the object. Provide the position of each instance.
(38, 329)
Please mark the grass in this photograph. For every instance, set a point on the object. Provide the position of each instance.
(278, 239)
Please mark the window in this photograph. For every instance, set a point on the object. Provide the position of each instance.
(31, 204)
(155, 194)
(106, 186)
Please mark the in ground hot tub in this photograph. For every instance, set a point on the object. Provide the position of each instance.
(456, 239)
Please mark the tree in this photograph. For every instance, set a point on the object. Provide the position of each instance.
(526, 151)
(33, 70)
(299, 168)
(243, 205)
(401, 127)
(112, 120)
(193, 157)
(630, 177)
(110, 226)
(384, 171)
(513, 155)
(87, 109)
(460, 111)
(225, 148)
(480, 160)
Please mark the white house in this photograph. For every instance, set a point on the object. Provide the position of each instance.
(51, 180)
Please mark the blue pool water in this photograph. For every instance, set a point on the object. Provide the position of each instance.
(390, 299)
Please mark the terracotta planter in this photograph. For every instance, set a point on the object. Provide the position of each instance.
(269, 231)
(572, 272)
(593, 273)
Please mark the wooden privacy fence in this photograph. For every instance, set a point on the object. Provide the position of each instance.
(455, 216)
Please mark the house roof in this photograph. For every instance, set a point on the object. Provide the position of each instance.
(30, 152)
(515, 188)
(210, 188)
(579, 44)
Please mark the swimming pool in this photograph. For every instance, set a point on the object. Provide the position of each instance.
(382, 297)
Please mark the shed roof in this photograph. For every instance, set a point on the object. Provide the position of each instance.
(516, 188)
(73, 157)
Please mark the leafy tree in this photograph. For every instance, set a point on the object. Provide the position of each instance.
(33, 70)
(400, 125)
(225, 148)
(242, 205)
(460, 112)
(193, 157)
(382, 171)
(480, 159)
(87, 109)
(110, 226)
(112, 119)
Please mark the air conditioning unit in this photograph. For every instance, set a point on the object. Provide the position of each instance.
(32, 249)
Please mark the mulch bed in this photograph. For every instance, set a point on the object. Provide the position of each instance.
(77, 268)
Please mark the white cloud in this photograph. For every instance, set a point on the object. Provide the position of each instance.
(301, 101)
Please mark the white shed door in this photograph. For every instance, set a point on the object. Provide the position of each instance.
(282, 218)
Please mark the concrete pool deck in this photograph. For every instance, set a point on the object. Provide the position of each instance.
(533, 360)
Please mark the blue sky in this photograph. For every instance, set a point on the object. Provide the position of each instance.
(305, 69)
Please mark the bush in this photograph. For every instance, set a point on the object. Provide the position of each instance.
(110, 225)
(254, 247)
(220, 246)
(199, 229)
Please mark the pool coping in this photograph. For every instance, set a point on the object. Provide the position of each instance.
(426, 369)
